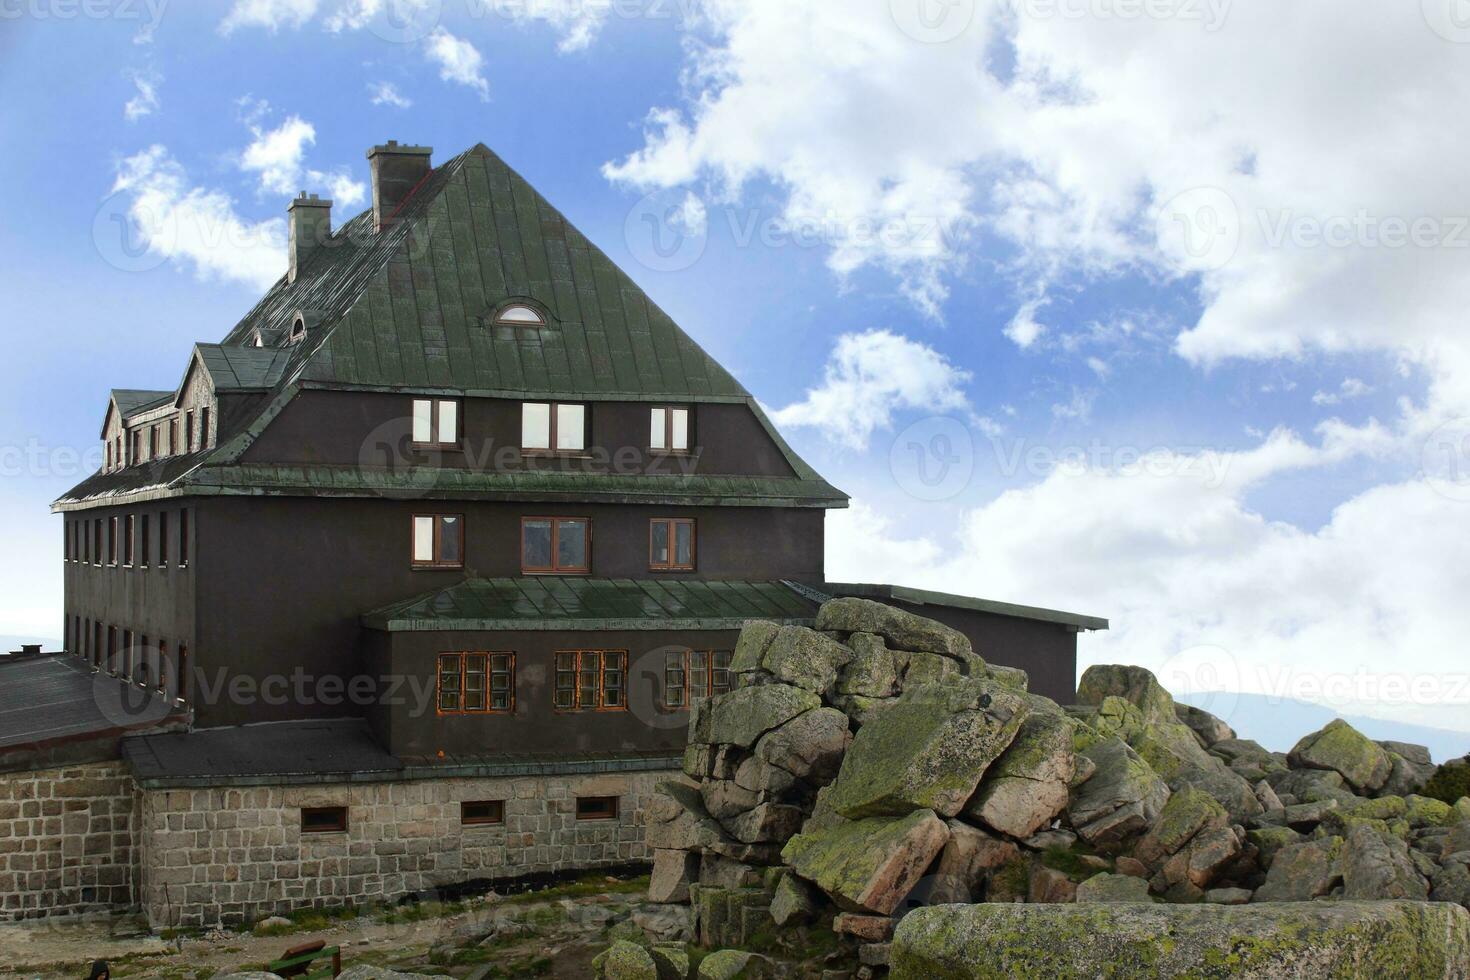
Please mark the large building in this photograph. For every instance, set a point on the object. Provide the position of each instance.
(414, 575)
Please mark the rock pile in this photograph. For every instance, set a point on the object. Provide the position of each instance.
(876, 764)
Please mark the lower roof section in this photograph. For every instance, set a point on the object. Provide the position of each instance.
(336, 751)
(923, 597)
(553, 602)
(51, 699)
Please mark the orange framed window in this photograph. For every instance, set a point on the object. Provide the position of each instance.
(556, 545)
(668, 430)
(476, 683)
(438, 541)
(436, 422)
(591, 680)
(671, 544)
(691, 676)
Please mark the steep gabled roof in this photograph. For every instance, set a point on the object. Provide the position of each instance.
(127, 402)
(408, 308)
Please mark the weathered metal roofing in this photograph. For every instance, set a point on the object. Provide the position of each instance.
(131, 401)
(923, 597)
(409, 307)
(571, 602)
(55, 697)
(300, 748)
(242, 368)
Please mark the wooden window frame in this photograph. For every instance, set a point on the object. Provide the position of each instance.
(598, 807)
(554, 568)
(129, 541)
(435, 563)
(673, 564)
(462, 662)
(494, 815)
(338, 823)
(205, 441)
(189, 431)
(550, 449)
(113, 543)
(577, 690)
(692, 672)
(668, 449)
(436, 435)
(153, 441)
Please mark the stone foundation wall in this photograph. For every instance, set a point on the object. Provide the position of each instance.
(67, 841)
(233, 855)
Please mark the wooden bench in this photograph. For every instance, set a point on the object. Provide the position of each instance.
(297, 961)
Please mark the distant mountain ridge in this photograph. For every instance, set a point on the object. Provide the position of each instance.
(1279, 723)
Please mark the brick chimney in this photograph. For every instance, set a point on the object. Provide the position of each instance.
(397, 170)
(311, 226)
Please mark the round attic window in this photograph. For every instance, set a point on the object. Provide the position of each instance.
(520, 315)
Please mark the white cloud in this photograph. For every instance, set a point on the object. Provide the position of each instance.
(386, 93)
(1076, 409)
(276, 156)
(1025, 126)
(1169, 549)
(180, 221)
(1351, 388)
(1024, 330)
(1099, 367)
(458, 61)
(868, 377)
(269, 14)
(145, 102)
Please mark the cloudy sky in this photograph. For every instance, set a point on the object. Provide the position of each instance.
(1148, 309)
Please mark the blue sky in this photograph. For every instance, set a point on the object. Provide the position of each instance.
(1147, 308)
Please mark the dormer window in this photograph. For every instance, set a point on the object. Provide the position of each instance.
(520, 315)
(298, 330)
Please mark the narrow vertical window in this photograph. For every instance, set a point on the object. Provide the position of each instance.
(97, 541)
(130, 532)
(183, 538)
(671, 544)
(438, 541)
(153, 442)
(112, 542)
(206, 436)
(161, 676)
(189, 431)
(668, 430)
(571, 432)
(435, 422)
(163, 539)
(145, 542)
(181, 674)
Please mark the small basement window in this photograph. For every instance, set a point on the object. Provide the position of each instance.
(323, 819)
(597, 808)
(478, 813)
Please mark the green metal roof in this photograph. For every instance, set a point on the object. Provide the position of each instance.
(923, 597)
(570, 602)
(242, 368)
(407, 309)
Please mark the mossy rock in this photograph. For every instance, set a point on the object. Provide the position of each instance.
(734, 964)
(1133, 684)
(625, 961)
(1202, 942)
(1340, 747)
(1425, 811)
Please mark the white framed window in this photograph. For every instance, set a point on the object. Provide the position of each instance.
(521, 315)
(668, 430)
(553, 427)
(435, 422)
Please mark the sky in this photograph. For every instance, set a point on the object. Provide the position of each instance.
(1145, 309)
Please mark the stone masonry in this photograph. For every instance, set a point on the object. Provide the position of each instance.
(67, 841)
(233, 855)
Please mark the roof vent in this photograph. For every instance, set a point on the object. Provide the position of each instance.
(311, 228)
(397, 171)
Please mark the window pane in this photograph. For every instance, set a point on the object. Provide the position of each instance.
(680, 435)
(683, 543)
(519, 314)
(659, 545)
(571, 544)
(656, 429)
(566, 680)
(612, 680)
(674, 680)
(448, 422)
(423, 539)
(535, 425)
(474, 682)
(536, 544)
(569, 427)
(423, 421)
(587, 676)
(449, 683)
(450, 544)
